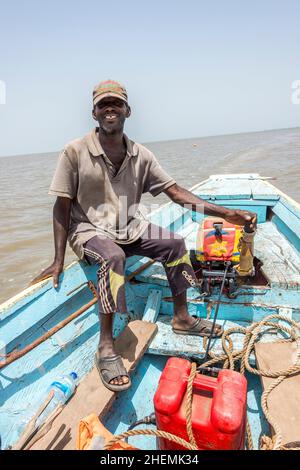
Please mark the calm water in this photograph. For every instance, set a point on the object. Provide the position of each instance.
(26, 245)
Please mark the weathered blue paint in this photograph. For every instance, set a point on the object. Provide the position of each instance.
(259, 209)
(236, 187)
(288, 217)
(152, 306)
(135, 404)
(169, 344)
(255, 297)
(290, 235)
(23, 384)
(287, 221)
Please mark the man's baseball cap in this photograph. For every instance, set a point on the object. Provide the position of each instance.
(109, 88)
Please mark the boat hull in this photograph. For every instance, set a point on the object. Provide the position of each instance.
(34, 311)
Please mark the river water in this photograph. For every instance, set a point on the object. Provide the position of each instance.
(26, 244)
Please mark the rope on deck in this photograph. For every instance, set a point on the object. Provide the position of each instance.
(151, 432)
(229, 358)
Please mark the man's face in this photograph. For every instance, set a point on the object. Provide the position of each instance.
(111, 113)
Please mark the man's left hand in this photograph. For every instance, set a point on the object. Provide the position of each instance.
(239, 217)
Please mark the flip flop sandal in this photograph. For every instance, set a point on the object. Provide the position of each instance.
(201, 327)
(110, 368)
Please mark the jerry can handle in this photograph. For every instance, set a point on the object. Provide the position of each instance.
(204, 382)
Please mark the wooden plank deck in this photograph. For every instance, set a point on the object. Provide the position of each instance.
(91, 395)
(167, 343)
(283, 401)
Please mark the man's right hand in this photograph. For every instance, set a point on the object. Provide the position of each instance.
(54, 270)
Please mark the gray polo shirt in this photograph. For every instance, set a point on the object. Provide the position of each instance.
(105, 202)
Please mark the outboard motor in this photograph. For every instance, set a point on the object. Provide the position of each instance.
(220, 244)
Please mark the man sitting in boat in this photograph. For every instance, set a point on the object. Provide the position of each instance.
(99, 181)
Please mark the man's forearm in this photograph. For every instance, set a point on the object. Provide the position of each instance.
(61, 221)
(184, 197)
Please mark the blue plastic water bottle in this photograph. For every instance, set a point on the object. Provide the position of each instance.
(63, 387)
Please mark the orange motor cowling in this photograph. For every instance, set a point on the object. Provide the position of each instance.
(218, 240)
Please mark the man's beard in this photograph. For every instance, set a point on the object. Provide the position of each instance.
(112, 130)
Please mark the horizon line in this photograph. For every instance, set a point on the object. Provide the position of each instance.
(165, 140)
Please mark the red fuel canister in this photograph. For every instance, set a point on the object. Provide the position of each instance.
(218, 410)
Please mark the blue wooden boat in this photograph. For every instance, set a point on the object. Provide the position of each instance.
(28, 315)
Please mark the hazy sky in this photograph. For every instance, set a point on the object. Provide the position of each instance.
(192, 68)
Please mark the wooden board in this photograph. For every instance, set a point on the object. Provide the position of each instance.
(168, 343)
(283, 401)
(91, 395)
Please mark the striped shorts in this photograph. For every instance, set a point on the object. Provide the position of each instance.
(156, 243)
